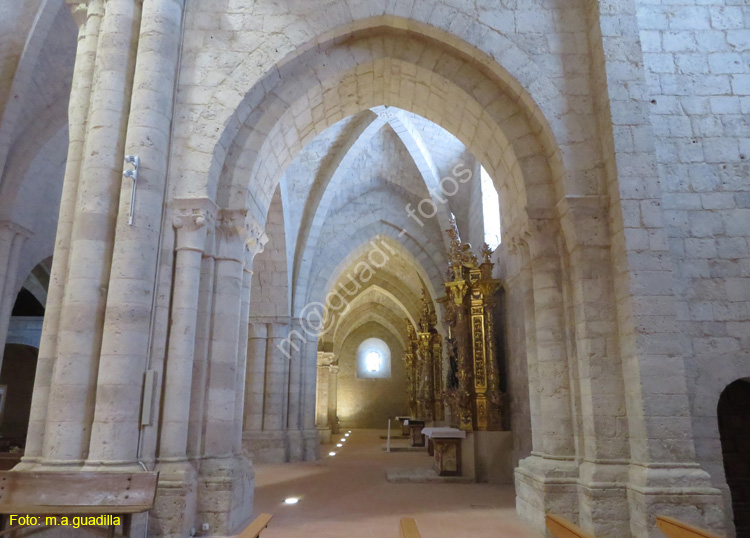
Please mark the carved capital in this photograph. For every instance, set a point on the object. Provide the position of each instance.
(326, 359)
(239, 236)
(192, 217)
(255, 243)
(79, 9)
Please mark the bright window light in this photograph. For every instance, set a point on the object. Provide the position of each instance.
(291, 500)
(490, 210)
(373, 361)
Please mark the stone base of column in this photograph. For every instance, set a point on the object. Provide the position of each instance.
(325, 435)
(683, 492)
(225, 494)
(311, 444)
(545, 486)
(295, 451)
(265, 447)
(603, 499)
(173, 514)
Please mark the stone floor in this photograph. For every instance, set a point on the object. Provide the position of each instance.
(348, 496)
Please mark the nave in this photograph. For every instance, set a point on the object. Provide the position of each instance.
(347, 496)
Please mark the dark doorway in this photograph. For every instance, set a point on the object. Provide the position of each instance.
(734, 429)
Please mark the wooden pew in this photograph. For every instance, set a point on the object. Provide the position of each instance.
(256, 527)
(677, 529)
(408, 528)
(73, 494)
(562, 528)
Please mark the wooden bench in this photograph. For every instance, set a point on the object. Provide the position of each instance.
(408, 528)
(677, 529)
(562, 528)
(256, 527)
(75, 494)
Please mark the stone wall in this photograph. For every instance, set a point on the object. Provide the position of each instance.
(697, 59)
(369, 403)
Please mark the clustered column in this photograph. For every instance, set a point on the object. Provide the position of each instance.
(72, 394)
(280, 403)
(324, 362)
(89, 18)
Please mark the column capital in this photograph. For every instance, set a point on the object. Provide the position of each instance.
(79, 9)
(326, 359)
(240, 236)
(191, 219)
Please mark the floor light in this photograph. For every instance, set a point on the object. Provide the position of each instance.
(291, 500)
(331, 453)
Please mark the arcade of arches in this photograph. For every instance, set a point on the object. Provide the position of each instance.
(255, 205)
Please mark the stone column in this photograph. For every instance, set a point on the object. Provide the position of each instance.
(548, 477)
(130, 297)
(88, 16)
(200, 356)
(294, 396)
(310, 435)
(176, 500)
(265, 437)
(223, 359)
(323, 416)
(256, 376)
(12, 238)
(333, 387)
(70, 408)
(606, 453)
(254, 246)
(225, 478)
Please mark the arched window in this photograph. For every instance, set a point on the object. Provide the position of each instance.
(373, 359)
(490, 210)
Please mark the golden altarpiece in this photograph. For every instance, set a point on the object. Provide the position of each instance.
(472, 394)
(471, 390)
(424, 365)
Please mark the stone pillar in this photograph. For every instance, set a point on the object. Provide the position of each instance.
(200, 356)
(664, 476)
(323, 417)
(254, 246)
(265, 437)
(255, 376)
(12, 238)
(604, 467)
(130, 297)
(226, 477)
(70, 408)
(333, 388)
(88, 16)
(294, 396)
(310, 435)
(546, 480)
(176, 500)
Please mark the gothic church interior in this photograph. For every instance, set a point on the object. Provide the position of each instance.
(481, 267)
